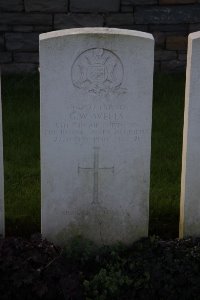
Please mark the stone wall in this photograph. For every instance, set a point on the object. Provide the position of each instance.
(21, 22)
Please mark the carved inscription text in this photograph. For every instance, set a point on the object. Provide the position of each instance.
(96, 125)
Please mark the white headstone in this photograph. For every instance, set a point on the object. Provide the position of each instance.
(190, 181)
(2, 217)
(96, 103)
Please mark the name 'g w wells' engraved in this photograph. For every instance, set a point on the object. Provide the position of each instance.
(98, 71)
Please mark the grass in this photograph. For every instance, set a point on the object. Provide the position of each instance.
(22, 156)
(167, 130)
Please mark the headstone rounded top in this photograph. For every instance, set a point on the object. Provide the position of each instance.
(96, 102)
(95, 30)
(194, 35)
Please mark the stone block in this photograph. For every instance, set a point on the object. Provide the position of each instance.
(62, 21)
(194, 27)
(43, 28)
(173, 66)
(22, 41)
(126, 9)
(25, 19)
(19, 68)
(5, 57)
(176, 43)
(137, 27)
(156, 66)
(175, 2)
(167, 14)
(2, 206)
(168, 28)
(182, 56)
(4, 28)
(94, 6)
(46, 5)
(119, 19)
(2, 45)
(163, 55)
(125, 2)
(11, 5)
(22, 28)
(27, 57)
(160, 38)
(176, 34)
(140, 2)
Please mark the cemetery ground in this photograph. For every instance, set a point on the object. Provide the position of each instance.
(153, 268)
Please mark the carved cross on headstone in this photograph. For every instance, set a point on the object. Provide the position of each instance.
(95, 170)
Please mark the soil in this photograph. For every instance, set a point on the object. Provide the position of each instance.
(149, 269)
(36, 269)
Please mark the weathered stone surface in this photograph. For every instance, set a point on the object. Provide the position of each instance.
(194, 27)
(167, 15)
(156, 66)
(25, 19)
(172, 66)
(96, 103)
(160, 38)
(2, 209)
(127, 9)
(11, 5)
(22, 41)
(23, 28)
(176, 43)
(43, 28)
(176, 33)
(118, 19)
(182, 56)
(46, 5)
(168, 28)
(94, 6)
(19, 68)
(162, 18)
(138, 27)
(125, 2)
(175, 2)
(165, 55)
(140, 2)
(2, 46)
(77, 20)
(26, 57)
(190, 187)
(4, 28)
(5, 57)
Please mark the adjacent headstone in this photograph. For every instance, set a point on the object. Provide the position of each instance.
(2, 217)
(190, 181)
(96, 103)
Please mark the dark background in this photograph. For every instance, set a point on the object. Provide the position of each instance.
(21, 22)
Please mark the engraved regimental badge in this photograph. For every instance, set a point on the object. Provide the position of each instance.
(98, 71)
